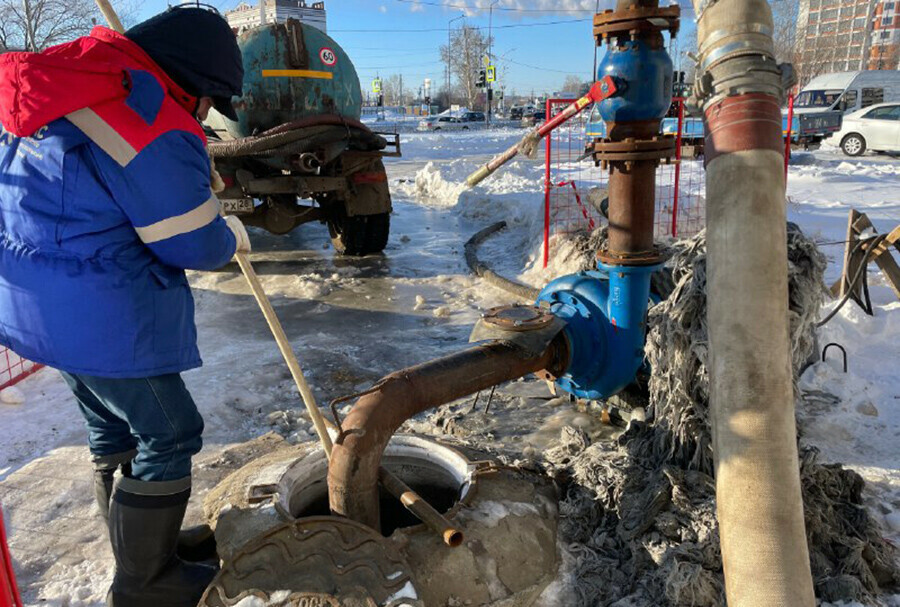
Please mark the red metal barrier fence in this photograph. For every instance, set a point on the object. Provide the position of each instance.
(574, 186)
(9, 593)
(14, 368)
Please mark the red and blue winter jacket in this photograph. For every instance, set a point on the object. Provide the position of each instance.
(104, 202)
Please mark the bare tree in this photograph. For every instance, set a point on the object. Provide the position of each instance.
(815, 58)
(575, 84)
(785, 14)
(392, 88)
(34, 25)
(468, 46)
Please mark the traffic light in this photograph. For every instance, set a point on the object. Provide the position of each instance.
(482, 79)
(679, 86)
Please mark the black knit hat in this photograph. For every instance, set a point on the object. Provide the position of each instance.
(198, 50)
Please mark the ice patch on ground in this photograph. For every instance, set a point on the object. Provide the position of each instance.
(12, 396)
(491, 513)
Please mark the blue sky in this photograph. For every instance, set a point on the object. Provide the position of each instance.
(541, 44)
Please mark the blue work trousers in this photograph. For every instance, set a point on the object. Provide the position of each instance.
(152, 422)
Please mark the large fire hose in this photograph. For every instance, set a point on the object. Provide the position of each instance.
(759, 504)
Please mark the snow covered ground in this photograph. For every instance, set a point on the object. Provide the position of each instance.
(354, 320)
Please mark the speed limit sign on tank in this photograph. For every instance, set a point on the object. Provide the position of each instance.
(328, 56)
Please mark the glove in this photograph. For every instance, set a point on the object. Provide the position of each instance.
(240, 233)
(215, 180)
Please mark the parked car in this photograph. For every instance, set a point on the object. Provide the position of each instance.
(443, 123)
(473, 117)
(517, 112)
(875, 128)
(535, 119)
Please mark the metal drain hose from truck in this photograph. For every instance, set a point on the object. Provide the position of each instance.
(280, 139)
(517, 289)
(758, 499)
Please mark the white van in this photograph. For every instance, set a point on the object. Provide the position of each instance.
(848, 91)
(821, 105)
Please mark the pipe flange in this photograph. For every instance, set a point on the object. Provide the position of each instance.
(518, 318)
(530, 328)
(636, 20)
(645, 258)
(660, 148)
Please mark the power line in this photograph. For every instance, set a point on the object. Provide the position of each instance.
(543, 69)
(501, 8)
(384, 48)
(396, 67)
(444, 29)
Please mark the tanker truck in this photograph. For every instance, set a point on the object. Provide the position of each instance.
(298, 152)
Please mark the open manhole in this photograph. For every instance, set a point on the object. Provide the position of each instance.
(442, 476)
(282, 549)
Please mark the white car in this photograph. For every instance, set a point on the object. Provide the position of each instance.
(443, 123)
(875, 128)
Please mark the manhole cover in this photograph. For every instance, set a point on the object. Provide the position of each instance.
(315, 562)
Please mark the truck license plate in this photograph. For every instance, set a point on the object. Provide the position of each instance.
(237, 205)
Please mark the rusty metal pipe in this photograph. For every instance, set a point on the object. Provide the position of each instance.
(422, 510)
(366, 431)
(632, 204)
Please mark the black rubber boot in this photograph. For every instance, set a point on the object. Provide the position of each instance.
(144, 523)
(195, 544)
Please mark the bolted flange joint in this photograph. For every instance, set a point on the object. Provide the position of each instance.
(634, 21)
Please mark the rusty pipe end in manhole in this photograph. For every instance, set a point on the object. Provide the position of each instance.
(353, 472)
(453, 538)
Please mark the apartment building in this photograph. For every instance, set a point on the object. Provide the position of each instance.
(246, 16)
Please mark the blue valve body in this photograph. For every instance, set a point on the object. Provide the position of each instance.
(606, 313)
(644, 77)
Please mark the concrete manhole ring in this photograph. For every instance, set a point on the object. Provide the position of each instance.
(315, 562)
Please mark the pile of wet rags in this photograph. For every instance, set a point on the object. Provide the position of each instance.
(638, 516)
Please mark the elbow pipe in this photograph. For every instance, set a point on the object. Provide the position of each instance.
(366, 431)
(605, 313)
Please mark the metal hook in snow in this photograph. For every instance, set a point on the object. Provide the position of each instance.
(839, 347)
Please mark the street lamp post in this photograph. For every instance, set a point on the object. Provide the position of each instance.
(490, 85)
(449, 52)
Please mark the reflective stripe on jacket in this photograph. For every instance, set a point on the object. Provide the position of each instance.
(104, 202)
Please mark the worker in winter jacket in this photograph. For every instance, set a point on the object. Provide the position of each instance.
(104, 202)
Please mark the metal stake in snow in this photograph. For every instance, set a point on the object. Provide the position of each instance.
(601, 90)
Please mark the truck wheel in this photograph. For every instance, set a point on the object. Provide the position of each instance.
(853, 145)
(378, 229)
(359, 235)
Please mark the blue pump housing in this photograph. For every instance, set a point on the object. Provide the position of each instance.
(606, 314)
(644, 77)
